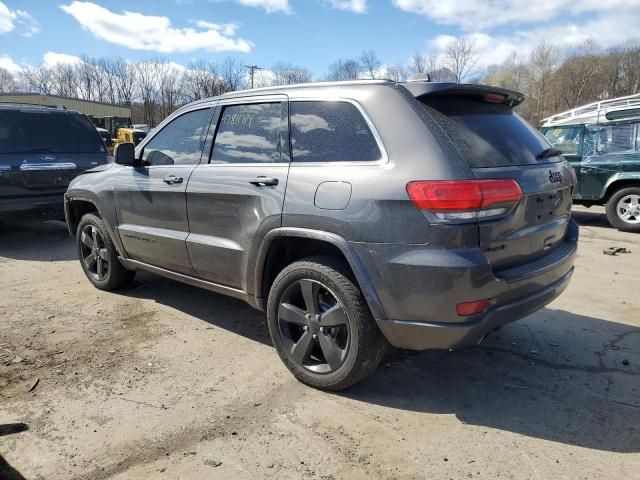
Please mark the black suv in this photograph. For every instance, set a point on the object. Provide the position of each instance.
(41, 150)
(420, 214)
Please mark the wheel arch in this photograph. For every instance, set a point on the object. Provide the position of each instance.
(618, 182)
(75, 207)
(270, 261)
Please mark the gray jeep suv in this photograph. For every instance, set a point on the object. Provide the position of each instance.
(354, 214)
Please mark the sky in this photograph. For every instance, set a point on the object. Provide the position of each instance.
(309, 33)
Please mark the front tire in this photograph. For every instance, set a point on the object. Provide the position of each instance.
(98, 256)
(623, 209)
(321, 326)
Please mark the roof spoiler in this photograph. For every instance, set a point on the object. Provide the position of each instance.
(492, 94)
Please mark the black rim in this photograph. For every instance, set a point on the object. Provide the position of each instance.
(313, 326)
(93, 252)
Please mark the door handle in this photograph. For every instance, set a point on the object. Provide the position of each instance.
(264, 181)
(172, 179)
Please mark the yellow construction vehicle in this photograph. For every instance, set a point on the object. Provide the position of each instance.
(130, 135)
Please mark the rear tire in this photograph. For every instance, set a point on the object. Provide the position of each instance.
(98, 256)
(623, 209)
(333, 344)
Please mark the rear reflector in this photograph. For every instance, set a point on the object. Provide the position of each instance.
(472, 308)
(465, 199)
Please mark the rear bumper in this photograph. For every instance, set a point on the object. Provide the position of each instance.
(36, 207)
(421, 336)
(419, 289)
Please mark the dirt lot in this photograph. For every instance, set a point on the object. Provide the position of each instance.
(168, 381)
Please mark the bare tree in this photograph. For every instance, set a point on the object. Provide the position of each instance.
(288, 74)
(124, 78)
(397, 73)
(232, 72)
(418, 64)
(370, 63)
(7, 82)
(37, 80)
(168, 77)
(147, 88)
(460, 57)
(348, 69)
(64, 80)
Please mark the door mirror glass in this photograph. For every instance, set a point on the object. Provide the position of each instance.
(124, 154)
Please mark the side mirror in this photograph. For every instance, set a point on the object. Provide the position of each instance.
(124, 154)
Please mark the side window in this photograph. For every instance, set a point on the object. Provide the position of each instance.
(565, 139)
(602, 140)
(331, 132)
(180, 142)
(252, 133)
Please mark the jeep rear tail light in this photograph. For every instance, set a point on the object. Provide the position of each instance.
(465, 199)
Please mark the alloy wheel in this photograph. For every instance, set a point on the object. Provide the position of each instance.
(628, 209)
(313, 326)
(94, 253)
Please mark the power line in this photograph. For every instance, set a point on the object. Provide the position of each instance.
(252, 71)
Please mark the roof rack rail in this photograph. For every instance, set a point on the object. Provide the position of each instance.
(26, 104)
(593, 112)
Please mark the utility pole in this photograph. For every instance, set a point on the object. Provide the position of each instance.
(252, 71)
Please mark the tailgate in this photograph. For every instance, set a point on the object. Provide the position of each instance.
(497, 143)
(538, 223)
(36, 174)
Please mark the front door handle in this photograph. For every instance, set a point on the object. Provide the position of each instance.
(172, 180)
(264, 181)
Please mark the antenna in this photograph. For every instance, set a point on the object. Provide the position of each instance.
(252, 71)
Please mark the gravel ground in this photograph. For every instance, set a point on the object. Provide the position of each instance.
(167, 381)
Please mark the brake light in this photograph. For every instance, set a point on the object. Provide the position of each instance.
(465, 199)
(494, 98)
(472, 308)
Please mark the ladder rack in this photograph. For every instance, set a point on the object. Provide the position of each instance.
(592, 112)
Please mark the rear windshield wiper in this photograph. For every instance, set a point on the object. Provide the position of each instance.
(39, 149)
(548, 153)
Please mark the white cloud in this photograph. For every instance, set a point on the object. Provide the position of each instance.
(51, 59)
(607, 30)
(8, 64)
(355, 6)
(474, 15)
(20, 19)
(154, 33)
(227, 29)
(269, 6)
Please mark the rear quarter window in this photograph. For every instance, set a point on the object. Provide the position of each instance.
(487, 134)
(331, 132)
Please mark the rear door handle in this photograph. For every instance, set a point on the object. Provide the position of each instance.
(264, 181)
(172, 179)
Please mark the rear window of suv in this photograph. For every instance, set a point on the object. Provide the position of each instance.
(487, 134)
(43, 131)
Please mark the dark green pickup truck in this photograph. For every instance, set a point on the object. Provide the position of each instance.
(606, 159)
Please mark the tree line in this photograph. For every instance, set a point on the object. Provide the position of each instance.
(553, 79)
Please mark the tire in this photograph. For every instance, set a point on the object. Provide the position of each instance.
(353, 343)
(104, 270)
(614, 215)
